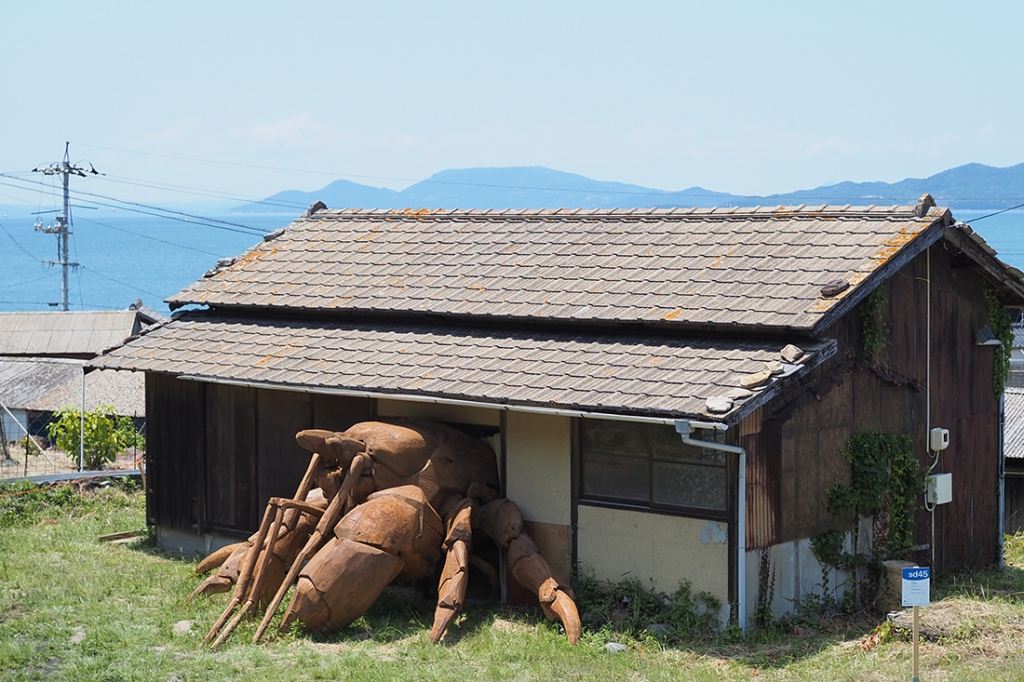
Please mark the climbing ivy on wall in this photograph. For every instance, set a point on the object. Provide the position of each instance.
(885, 480)
(874, 328)
(999, 321)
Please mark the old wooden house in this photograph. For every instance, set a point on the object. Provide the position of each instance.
(583, 346)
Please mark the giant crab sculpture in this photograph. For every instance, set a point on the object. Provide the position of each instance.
(379, 502)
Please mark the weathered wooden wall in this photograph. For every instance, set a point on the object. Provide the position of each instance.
(174, 451)
(216, 452)
(796, 456)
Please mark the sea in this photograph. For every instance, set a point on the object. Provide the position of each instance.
(125, 257)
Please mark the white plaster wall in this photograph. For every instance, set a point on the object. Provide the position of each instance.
(658, 549)
(13, 427)
(796, 575)
(538, 466)
(445, 413)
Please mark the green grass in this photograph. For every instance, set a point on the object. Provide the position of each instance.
(72, 608)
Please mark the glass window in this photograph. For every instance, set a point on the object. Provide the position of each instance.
(648, 465)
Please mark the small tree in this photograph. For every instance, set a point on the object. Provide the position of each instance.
(106, 434)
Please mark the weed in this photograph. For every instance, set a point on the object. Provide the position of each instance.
(629, 608)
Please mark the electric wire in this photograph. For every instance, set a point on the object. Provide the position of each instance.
(1012, 208)
(18, 244)
(31, 281)
(643, 191)
(151, 238)
(158, 212)
(117, 281)
(195, 191)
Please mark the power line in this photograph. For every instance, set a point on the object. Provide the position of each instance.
(31, 281)
(52, 304)
(16, 243)
(974, 220)
(127, 206)
(145, 236)
(194, 191)
(117, 281)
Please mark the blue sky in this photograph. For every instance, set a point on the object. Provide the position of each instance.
(745, 97)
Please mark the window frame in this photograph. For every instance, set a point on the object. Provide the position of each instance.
(650, 458)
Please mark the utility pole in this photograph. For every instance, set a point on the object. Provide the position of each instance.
(62, 223)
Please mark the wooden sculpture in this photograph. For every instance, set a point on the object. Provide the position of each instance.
(389, 500)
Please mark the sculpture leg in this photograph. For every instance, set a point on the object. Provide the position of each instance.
(339, 584)
(331, 516)
(502, 520)
(227, 560)
(451, 592)
(394, 532)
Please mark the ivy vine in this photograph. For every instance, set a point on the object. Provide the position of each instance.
(885, 476)
(999, 321)
(874, 328)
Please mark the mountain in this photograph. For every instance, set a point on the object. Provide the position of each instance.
(532, 187)
(972, 186)
(338, 193)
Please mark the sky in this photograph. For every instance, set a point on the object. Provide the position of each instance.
(245, 99)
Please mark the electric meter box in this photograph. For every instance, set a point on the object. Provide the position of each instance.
(938, 439)
(939, 489)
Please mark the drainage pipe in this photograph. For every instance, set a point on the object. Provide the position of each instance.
(684, 429)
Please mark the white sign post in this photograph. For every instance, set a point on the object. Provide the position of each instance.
(916, 593)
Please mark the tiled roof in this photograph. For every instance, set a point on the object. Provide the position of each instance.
(760, 268)
(55, 334)
(639, 375)
(1013, 431)
(48, 385)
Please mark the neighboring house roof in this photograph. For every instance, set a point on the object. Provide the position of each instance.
(148, 316)
(48, 385)
(755, 269)
(25, 381)
(651, 375)
(65, 334)
(1013, 430)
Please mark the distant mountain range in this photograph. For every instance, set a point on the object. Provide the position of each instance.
(973, 186)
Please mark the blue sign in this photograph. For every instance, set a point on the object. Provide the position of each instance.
(917, 586)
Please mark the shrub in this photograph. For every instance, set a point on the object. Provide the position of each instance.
(106, 434)
(23, 502)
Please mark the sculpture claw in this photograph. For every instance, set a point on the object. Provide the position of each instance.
(565, 609)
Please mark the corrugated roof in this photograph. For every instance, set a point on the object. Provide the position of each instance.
(55, 334)
(48, 385)
(1013, 431)
(124, 391)
(25, 381)
(640, 375)
(734, 268)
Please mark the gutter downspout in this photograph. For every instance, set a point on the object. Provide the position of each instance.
(1002, 481)
(684, 428)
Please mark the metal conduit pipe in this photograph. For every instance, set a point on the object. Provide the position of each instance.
(684, 429)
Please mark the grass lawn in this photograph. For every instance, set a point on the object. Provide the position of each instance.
(72, 608)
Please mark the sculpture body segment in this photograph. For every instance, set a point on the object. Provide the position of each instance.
(390, 500)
